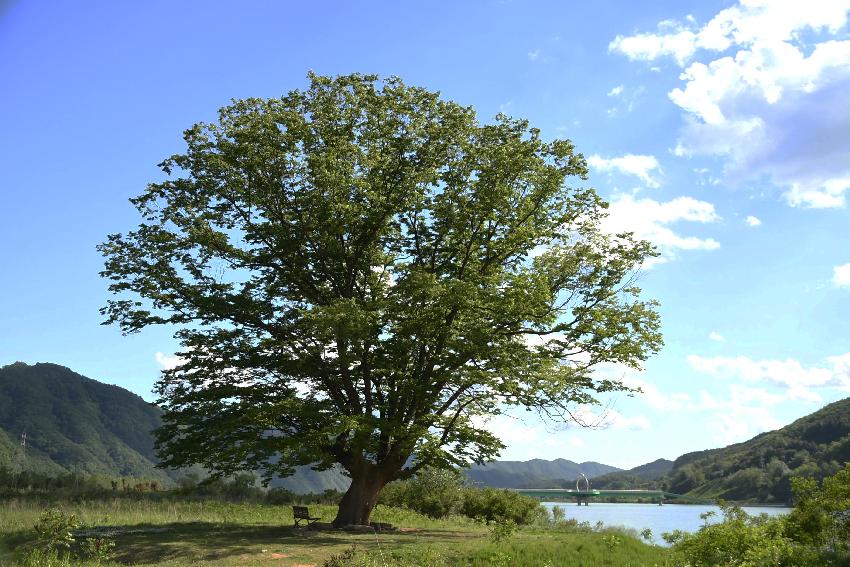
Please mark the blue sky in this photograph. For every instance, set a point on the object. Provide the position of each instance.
(716, 130)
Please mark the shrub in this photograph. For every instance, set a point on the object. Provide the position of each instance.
(558, 514)
(493, 504)
(54, 529)
(501, 530)
(433, 492)
(98, 549)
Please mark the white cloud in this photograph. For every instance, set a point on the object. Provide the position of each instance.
(655, 399)
(641, 166)
(168, 362)
(534, 55)
(681, 45)
(616, 91)
(841, 275)
(612, 419)
(733, 420)
(715, 336)
(650, 220)
(799, 381)
(768, 93)
(753, 221)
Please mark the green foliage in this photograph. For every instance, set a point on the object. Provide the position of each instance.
(815, 533)
(98, 549)
(433, 492)
(821, 516)
(558, 514)
(47, 558)
(54, 529)
(350, 268)
(439, 493)
(502, 529)
(495, 505)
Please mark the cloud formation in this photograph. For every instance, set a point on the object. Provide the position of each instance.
(167, 362)
(841, 275)
(640, 166)
(768, 93)
(651, 220)
(798, 381)
(752, 221)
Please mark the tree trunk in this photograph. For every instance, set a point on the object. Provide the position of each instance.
(359, 500)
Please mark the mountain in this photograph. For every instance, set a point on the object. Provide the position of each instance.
(643, 476)
(536, 473)
(760, 469)
(74, 423)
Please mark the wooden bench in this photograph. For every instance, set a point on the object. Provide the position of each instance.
(301, 513)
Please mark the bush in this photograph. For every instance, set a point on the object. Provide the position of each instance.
(558, 514)
(433, 492)
(98, 549)
(493, 504)
(54, 530)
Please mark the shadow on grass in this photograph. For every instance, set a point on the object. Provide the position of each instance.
(216, 541)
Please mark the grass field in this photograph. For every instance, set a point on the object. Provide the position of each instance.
(218, 534)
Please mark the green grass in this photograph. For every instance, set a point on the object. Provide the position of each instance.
(160, 533)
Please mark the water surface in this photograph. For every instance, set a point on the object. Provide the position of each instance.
(659, 519)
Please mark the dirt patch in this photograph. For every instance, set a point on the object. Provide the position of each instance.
(279, 555)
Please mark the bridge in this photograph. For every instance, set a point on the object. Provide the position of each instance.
(584, 496)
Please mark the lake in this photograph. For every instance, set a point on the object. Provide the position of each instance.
(659, 519)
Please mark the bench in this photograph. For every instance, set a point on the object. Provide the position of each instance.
(301, 513)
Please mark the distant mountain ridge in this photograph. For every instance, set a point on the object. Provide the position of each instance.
(536, 473)
(648, 475)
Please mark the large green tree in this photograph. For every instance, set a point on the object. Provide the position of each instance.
(361, 273)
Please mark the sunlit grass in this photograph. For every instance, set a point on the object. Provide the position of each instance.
(216, 534)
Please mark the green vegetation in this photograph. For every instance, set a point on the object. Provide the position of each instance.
(74, 424)
(761, 469)
(816, 533)
(443, 493)
(211, 534)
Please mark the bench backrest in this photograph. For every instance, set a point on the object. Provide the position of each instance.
(300, 512)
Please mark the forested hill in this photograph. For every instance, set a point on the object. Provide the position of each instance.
(760, 469)
(642, 476)
(74, 424)
(536, 473)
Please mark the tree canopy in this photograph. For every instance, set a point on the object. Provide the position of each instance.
(361, 273)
